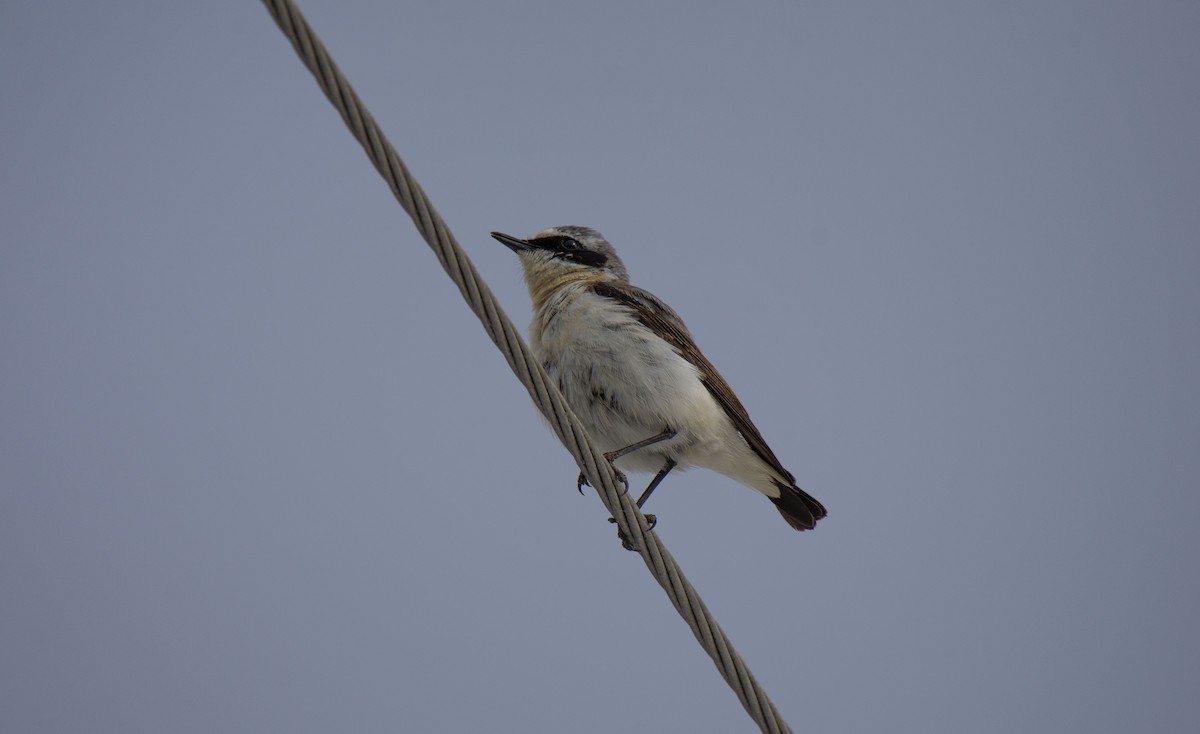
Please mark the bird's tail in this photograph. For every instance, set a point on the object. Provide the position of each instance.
(799, 508)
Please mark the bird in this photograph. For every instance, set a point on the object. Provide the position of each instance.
(632, 373)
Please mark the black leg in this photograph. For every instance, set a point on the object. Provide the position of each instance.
(651, 520)
(661, 475)
(612, 456)
(666, 435)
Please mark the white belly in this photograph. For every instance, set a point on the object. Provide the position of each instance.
(626, 385)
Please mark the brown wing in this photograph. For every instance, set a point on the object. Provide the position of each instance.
(659, 318)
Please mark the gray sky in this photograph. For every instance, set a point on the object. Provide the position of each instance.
(261, 469)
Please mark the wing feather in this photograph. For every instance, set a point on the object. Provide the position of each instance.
(662, 320)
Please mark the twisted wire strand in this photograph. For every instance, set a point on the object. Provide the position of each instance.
(525, 366)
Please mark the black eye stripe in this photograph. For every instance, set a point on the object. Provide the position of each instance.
(569, 248)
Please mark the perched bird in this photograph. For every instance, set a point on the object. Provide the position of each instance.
(630, 370)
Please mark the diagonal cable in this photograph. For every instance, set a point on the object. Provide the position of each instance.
(525, 366)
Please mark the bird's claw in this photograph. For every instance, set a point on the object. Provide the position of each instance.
(651, 521)
(623, 480)
(583, 480)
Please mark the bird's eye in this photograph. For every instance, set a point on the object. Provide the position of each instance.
(569, 244)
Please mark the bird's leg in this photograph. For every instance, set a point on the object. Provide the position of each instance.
(651, 520)
(661, 475)
(612, 456)
(666, 435)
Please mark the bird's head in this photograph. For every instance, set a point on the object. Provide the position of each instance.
(560, 255)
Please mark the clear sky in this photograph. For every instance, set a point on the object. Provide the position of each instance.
(261, 470)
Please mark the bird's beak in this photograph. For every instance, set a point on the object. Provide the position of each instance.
(513, 243)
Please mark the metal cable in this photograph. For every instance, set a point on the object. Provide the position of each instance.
(525, 366)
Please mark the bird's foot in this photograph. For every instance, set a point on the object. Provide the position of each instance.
(582, 480)
(651, 521)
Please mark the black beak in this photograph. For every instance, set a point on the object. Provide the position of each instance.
(513, 243)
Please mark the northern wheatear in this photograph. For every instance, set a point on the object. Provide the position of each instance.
(632, 373)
